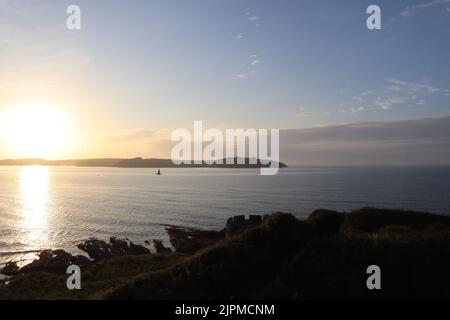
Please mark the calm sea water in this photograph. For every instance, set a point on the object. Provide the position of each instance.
(58, 207)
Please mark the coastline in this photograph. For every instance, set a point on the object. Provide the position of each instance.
(232, 163)
(301, 259)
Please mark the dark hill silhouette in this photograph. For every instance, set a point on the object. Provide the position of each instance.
(130, 163)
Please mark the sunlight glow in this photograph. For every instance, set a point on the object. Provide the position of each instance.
(37, 130)
(34, 199)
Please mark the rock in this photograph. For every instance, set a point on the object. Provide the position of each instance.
(238, 224)
(96, 249)
(55, 261)
(99, 249)
(126, 247)
(191, 240)
(160, 248)
(11, 268)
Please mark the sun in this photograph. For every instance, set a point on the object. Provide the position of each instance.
(37, 130)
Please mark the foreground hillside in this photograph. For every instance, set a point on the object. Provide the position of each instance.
(322, 257)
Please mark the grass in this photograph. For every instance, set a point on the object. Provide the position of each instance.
(96, 278)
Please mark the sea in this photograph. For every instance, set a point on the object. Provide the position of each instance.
(58, 207)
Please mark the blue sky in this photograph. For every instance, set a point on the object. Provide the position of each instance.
(278, 64)
(284, 64)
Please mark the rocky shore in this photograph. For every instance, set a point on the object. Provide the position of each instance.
(183, 241)
(278, 256)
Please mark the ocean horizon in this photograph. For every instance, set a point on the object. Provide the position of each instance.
(59, 207)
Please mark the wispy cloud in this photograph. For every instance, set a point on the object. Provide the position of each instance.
(402, 86)
(421, 102)
(386, 103)
(303, 113)
(241, 76)
(358, 98)
(254, 60)
(415, 8)
(396, 92)
(357, 109)
(249, 68)
(254, 19)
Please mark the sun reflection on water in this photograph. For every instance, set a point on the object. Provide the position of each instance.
(34, 203)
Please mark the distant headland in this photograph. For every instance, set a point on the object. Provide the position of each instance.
(136, 163)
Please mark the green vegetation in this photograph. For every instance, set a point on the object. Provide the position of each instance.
(322, 257)
(96, 278)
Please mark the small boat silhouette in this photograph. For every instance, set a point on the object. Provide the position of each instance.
(159, 172)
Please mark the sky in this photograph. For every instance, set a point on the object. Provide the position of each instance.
(139, 69)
